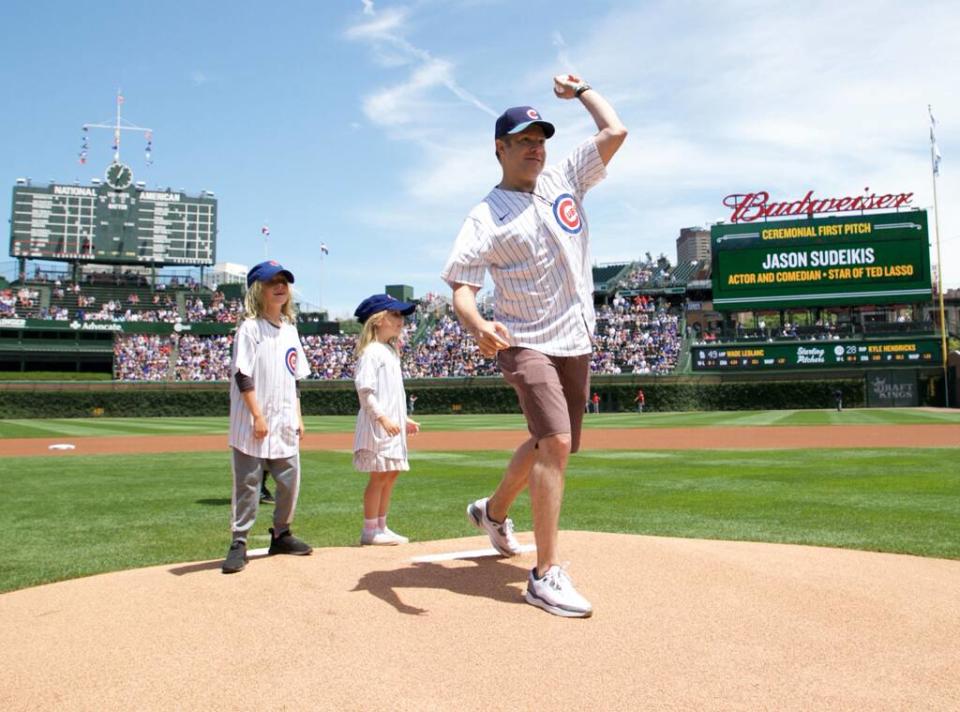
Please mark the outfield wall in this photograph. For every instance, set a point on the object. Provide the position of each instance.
(728, 391)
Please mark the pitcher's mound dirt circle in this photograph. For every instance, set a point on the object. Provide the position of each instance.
(679, 624)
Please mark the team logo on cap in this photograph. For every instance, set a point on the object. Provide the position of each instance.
(291, 360)
(532, 113)
(567, 215)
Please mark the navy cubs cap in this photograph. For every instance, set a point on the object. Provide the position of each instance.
(517, 118)
(265, 271)
(381, 302)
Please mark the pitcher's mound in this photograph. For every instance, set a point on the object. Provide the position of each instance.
(678, 624)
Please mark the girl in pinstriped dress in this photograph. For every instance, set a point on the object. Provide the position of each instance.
(380, 438)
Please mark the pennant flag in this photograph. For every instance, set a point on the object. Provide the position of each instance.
(934, 149)
(323, 248)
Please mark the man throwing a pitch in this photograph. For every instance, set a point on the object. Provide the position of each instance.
(530, 233)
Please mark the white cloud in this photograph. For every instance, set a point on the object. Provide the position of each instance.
(381, 28)
(719, 98)
(402, 102)
(737, 96)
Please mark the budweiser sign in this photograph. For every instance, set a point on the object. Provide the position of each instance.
(748, 207)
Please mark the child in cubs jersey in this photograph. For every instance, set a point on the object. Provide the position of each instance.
(265, 420)
(380, 439)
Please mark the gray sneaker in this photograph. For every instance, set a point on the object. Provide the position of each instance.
(501, 534)
(236, 558)
(555, 594)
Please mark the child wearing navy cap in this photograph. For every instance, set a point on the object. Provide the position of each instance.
(265, 420)
(380, 438)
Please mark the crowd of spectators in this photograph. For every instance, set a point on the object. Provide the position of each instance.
(330, 355)
(445, 351)
(218, 310)
(637, 335)
(142, 357)
(648, 272)
(203, 358)
(633, 335)
(8, 304)
(69, 301)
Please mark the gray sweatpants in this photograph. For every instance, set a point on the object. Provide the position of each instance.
(247, 474)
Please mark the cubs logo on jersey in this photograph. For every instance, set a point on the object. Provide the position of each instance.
(291, 361)
(567, 215)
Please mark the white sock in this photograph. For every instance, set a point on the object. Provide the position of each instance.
(369, 526)
(382, 523)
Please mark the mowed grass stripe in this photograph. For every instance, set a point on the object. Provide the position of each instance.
(80, 427)
(91, 514)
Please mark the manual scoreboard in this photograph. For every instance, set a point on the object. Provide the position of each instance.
(103, 224)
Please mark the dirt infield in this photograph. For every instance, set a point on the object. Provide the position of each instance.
(679, 625)
(747, 438)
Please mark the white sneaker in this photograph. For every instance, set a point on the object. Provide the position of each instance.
(555, 594)
(401, 539)
(501, 535)
(377, 538)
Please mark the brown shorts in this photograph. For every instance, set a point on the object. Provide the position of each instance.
(552, 390)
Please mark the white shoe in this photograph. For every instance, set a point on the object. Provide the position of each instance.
(377, 538)
(401, 539)
(555, 594)
(501, 535)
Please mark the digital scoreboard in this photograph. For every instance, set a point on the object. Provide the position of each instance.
(102, 223)
(753, 356)
(863, 259)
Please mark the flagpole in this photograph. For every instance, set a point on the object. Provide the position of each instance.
(320, 285)
(936, 233)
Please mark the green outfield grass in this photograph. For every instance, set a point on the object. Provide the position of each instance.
(79, 427)
(75, 516)
(69, 376)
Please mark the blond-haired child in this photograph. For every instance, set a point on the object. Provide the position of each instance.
(265, 420)
(380, 438)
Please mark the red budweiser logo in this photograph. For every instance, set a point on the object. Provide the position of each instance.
(748, 207)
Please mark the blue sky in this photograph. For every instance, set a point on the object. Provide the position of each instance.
(367, 125)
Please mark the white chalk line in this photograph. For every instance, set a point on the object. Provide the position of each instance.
(470, 554)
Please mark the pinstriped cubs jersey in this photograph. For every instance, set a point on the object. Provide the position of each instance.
(378, 374)
(536, 247)
(273, 357)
